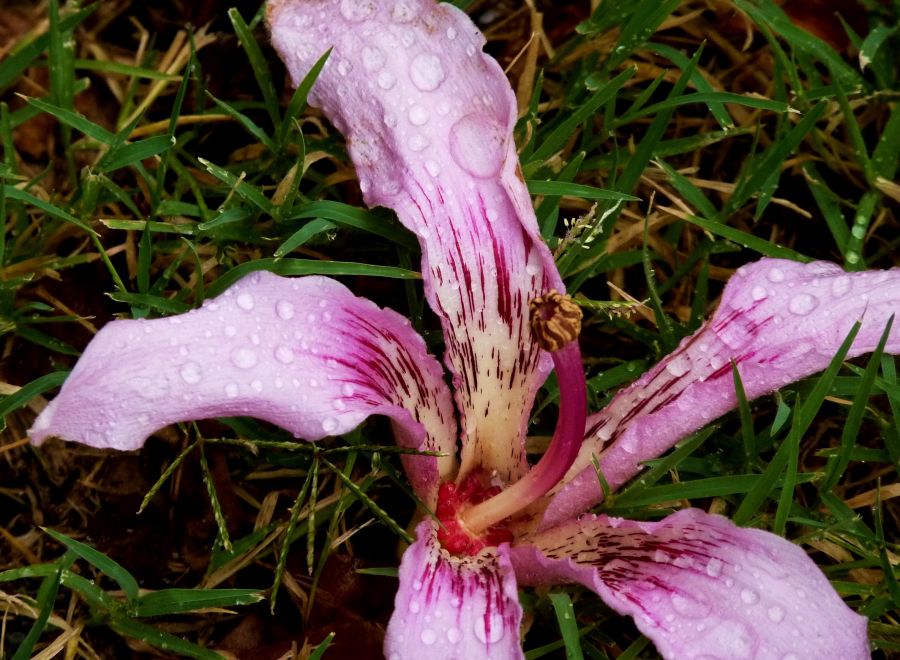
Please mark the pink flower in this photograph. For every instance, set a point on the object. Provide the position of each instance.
(428, 119)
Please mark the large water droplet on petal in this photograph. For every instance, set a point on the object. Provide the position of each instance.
(679, 365)
(386, 80)
(428, 637)
(802, 304)
(426, 72)
(245, 301)
(284, 354)
(329, 424)
(372, 58)
(418, 115)
(191, 373)
(243, 358)
(402, 12)
(284, 309)
(477, 145)
(357, 10)
(776, 275)
(489, 629)
(758, 293)
(749, 596)
(776, 614)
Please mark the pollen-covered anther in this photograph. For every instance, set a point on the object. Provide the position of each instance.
(555, 320)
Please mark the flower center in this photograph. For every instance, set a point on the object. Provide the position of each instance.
(555, 323)
(453, 499)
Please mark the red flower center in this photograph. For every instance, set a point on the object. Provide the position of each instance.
(455, 498)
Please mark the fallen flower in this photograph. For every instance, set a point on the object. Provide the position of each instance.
(428, 118)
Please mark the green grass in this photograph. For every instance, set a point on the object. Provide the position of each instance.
(162, 186)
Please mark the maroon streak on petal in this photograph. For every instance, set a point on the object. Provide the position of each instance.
(779, 320)
(700, 587)
(454, 607)
(428, 119)
(305, 354)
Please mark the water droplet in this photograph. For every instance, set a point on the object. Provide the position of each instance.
(417, 142)
(151, 388)
(426, 72)
(245, 301)
(470, 50)
(477, 145)
(414, 607)
(714, 567)
(454, 635)
(776, 275)
(418, 115)
(402, 12)
(802, 304)
(776, 614)
(256, 385)
(852, 257)
(758, 293)
(284, 309)
(357, 10)
(339, 404)
(489, 629)
(386, 80)
(329, 424)
(284, 354)
(749, 596)
(628, 442)
(433, 168)
(428, 637)
(858, 231)
(417, 585)
(451, 33)
(231, 390)
(191, 373)
(243, 358)
(372, 58)
(841, 285)
(729, 639)
(689, 607)
(390, 120)
(344, 67)
(679, 365)
(230, 331)
(347, 389)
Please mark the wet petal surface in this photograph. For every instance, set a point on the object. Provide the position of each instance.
(700, 587)
(454, 608)
(304, 353)
(428, 119)
(779, 320)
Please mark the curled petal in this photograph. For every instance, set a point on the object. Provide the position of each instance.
(428, 119)
(305, 354)
(700, 587)
(454, 607)
(779, 320)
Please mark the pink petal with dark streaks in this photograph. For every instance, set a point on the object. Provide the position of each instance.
(779, 320)
(451, 608)
(700, 587)
(428, 119)
(305, 354)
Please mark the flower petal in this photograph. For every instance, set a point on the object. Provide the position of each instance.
(428, 119)
(453, 607)
(779, 320)
(305, 354)
(699, 586)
